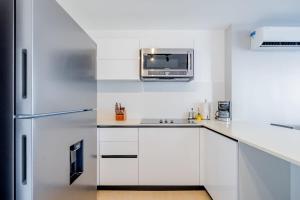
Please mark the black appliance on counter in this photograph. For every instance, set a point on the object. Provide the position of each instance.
(224, 111)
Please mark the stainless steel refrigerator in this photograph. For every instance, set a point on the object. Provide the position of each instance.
(48, 104)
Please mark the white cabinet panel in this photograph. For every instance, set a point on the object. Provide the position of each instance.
(118, 171)
(263, 176)
(119, 148)
(169, 156)
(117, 142)
(98, 156)
(118, 70)
(220, 165)
(114, 48)
(118, 134)
(169, 42)
(295, 182)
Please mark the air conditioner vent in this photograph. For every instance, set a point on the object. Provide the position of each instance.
(279, 44)
(275, 38)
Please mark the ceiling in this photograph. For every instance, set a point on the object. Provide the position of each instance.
(180, 14)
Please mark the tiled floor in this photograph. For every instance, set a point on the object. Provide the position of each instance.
(152, 195)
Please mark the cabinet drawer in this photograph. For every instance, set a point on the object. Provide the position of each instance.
(118, 171)
(119, 148)
(118, 134)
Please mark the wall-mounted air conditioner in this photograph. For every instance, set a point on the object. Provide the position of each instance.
(272, 38)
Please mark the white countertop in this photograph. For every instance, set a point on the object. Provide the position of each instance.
(280, 142)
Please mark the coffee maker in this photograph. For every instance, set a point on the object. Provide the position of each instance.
(223, 113)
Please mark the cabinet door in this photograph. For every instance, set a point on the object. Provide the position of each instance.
(167, 42)
(98, 156)
(118, 49)
(119, 171)
(118, 156)
(169, 156)
(118, 59)
(220, 165)
(118, 70)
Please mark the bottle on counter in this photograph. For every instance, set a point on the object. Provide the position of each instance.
(192, 115)
(198, 116)
(205, 110)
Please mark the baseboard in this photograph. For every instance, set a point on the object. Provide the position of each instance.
(151, 187)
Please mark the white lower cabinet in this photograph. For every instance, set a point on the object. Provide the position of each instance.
(219, 165)
(118, 156)
(118, 171)
(169, 156)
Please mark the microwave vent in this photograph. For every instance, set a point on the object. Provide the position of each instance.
(178, 73)
(156, 73)
(172, 73)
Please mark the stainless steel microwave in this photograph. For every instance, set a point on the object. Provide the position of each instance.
(166, 64)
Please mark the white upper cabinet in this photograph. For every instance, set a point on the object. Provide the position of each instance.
(118, 70)
(118, 59)
(118, 49)
(119, 53)
(167, 42)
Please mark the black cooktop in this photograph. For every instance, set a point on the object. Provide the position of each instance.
(167, 121)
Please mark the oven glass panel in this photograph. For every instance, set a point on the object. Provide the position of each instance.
(166, 61)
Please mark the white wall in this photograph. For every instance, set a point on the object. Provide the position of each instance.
(265, 84)
(168, 100)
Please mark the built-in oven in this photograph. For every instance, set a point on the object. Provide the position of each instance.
(166, 64)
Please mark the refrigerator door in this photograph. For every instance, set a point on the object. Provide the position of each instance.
(56, 157)
(6, 100)
(55, 60)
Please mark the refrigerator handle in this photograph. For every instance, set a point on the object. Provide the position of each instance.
(24, 159)
(24, 73)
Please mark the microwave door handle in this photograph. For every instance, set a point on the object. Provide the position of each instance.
(190, 61)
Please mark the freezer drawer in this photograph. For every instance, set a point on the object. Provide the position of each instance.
(60, 157)
(118, 171)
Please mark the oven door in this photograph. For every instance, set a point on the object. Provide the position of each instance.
(167, 63)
